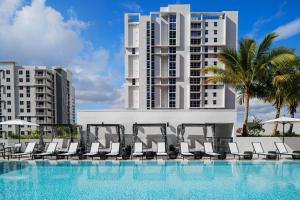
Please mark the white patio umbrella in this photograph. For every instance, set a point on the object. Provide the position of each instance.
(18, 122)
(283, 120)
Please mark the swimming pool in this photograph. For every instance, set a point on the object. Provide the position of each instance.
(149, 180)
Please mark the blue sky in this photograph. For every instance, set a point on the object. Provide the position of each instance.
(87, 37)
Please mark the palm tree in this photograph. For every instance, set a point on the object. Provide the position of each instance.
(292, 92)
(274, 82)
(243, 67)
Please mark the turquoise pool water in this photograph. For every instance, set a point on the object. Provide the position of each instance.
(149, 180)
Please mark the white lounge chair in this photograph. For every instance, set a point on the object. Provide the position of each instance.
(208, 149)
(72, 151)
(283, 151)
(28, 151)
(184, 150)
(138, 150)
(234, 150)
(115, 150)
(161, 149)
(49, 152)
(94, 150)
(258, 149)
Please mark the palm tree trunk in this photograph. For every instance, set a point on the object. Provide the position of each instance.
(246, 113)
(292, 113)
(278, 108)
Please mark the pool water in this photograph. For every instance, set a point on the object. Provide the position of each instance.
(149, 180)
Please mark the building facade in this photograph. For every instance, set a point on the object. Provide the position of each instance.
(38, 94)
(165, 52)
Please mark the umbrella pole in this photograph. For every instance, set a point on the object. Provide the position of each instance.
(18, 127)
(283, 132)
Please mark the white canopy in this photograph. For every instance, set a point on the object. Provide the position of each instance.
(18, 122)
(282, 120)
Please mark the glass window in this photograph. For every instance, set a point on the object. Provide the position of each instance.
(172, 26)
(172, 18)
(215, 32)
(206, 32)
(215, 40)
(215, 23)
(20, 72)
(7, 71)
(206, 39)
(206, 23)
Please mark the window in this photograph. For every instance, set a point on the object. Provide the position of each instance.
(195, 95)
(215, 63)
(206, 23)
(195, 88)
(133, 50)
(133, 83)
(206, 32)
(196, 25)
(172, 41)
(214, 102)
(172, 34)
(9, 117)
(214, 94)
(172, 26)
(172, 50)
(21, 102)
(21, 110)
(215, 49)
(215, 23)
(215, 32)
(206, 87)
(20, 72)
(28, 110)
(205, 63)
(21, 95)
(172, 57)
(7, 79)
(215, 87)
(206, 49)
(172, 18)
(206, 56)
(27, 80)
(205, 94)
(8, 95)
(206, 39)
(20, 80)
(27, 94)
(8, 87)
(7, 71)
(215, 40)
(8, 102)
(205, 102)
(172, 81)
(9, 110)
(195, 41)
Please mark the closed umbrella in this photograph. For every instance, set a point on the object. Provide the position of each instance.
(18, 123)
(283, 121)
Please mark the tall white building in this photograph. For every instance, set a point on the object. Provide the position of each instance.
(164, 52)
(38, 94)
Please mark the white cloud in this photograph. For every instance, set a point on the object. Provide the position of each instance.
(260, 22)
(288, 30)
(37, 34)
(133, 7)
